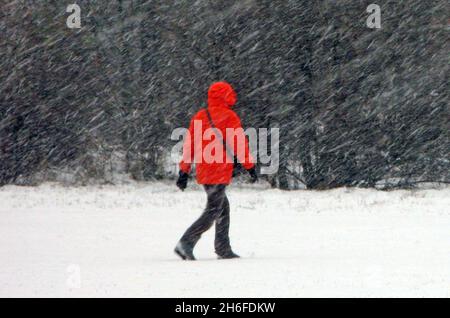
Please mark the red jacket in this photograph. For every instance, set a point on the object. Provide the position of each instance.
(221, 97)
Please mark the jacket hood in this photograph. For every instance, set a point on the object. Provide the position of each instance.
(221, 94)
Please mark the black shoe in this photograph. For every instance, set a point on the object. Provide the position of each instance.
(184, 251)
(228, 255)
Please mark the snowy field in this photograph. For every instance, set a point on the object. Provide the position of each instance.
(116, 241)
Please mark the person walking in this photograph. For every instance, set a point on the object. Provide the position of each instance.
(216, 174)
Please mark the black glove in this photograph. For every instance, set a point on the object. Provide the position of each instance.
(253, 175)
(182, 180)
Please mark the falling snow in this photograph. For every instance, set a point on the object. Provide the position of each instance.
(356, 106)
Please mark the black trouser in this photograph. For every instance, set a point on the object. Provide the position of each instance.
(217, 210)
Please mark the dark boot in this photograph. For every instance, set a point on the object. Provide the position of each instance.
(184, 251)
(228, 255)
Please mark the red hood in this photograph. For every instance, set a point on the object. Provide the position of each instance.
(221, 94)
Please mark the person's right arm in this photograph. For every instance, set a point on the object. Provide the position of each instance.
(187, 158)
(188, 149)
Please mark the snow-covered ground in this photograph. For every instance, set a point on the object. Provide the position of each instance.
(118, 241)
